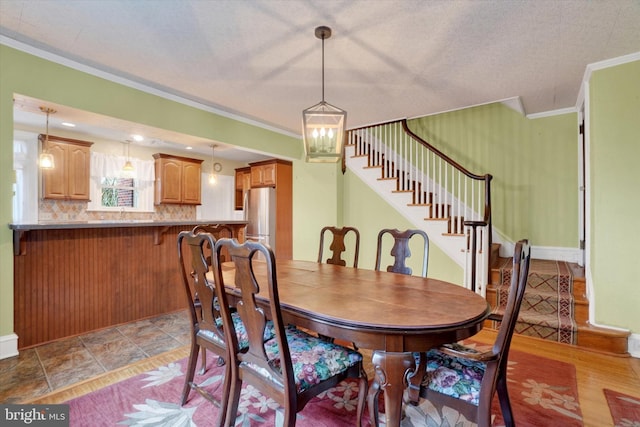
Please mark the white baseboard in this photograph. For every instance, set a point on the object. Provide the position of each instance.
(634, 345)
(557, 253)
(553, 253)
(8, 346)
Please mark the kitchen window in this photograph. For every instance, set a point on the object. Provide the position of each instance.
(119, 192)
(113, 190)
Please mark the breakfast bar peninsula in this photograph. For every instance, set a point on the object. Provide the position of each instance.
(79, 276)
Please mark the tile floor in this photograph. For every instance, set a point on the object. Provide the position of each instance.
(42, 369)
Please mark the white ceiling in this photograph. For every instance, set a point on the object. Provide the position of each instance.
(387, 59)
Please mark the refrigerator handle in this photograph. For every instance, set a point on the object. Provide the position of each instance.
(245, 205)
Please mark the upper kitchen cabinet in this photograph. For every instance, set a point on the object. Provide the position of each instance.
(270, 173)
(177, 180)
(243, 183)
(69, 179)
(264, 174)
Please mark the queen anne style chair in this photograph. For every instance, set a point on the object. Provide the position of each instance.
(338, 246)
(204, 311)
(294, 366)
(217, 231)
(465, 379)
(400, 250)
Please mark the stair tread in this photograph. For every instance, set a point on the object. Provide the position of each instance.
(546, 293)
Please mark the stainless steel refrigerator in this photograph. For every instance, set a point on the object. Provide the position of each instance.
(260, 212)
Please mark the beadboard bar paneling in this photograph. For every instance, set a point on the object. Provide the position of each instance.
(71, 281)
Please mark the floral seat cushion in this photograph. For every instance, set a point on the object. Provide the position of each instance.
(453, 376)
(314, 360)
(241, 331)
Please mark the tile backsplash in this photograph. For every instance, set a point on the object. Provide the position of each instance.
(66, 210)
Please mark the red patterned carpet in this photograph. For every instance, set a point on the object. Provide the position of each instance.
(625, 410)
(540, 397)
(548, 307)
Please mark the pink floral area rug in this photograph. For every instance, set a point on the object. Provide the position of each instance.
(153, 399)
(625, 410)
(543, 393)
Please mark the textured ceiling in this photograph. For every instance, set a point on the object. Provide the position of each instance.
(385, 60)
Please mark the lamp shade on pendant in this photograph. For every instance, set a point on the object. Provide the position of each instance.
(46, 159)
(323, 126)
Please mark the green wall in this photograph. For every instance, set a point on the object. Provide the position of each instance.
(613, 189)
(534, 163)
(317, 189)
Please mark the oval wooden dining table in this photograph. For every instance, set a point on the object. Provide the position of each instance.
(392, 314)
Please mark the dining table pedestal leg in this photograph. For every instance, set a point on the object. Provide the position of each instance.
(391, 370)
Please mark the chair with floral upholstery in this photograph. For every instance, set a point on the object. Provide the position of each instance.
(338, 244)
(465, 379)
(291, 368)
(206, 322)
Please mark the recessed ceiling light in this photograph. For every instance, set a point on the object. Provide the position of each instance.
(188, 147)
(137, 137)
(67, 124)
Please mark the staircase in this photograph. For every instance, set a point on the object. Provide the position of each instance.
(453, 206)
(431, 190)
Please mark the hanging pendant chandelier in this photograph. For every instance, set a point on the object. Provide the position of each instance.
(46, 160)
(323, 124)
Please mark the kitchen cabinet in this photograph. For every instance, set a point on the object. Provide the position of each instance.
(178, 180)
(264, 174)
(243, 183)
(69, 179)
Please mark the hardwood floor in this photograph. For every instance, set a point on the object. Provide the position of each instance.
(594, 371)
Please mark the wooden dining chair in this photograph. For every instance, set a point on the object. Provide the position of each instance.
(400, 250)
(338, 244)
(465, 379)
(205, 317)
(206, 321)
(218, 231)
(291, 368)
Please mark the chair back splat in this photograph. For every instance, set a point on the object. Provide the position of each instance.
(279, 367)
(338, 244)
(480, 374)
(400, 250)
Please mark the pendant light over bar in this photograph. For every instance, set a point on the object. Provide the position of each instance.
(46, 160)
(128, 170)
(323, 124)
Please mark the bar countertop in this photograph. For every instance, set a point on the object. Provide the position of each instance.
(110, 223)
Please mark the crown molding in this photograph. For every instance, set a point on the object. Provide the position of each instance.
(601, 65)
